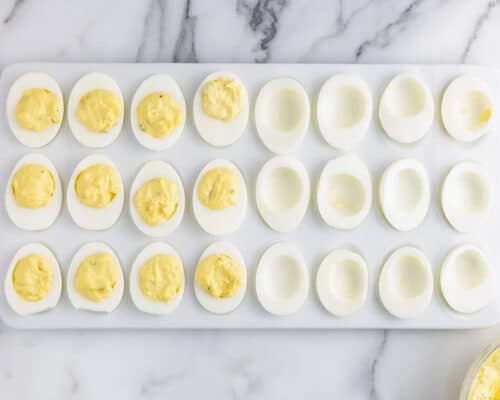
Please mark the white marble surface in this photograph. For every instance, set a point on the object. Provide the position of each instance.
(153, 365)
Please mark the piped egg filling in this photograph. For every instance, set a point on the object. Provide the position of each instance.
(97, 185)
(222, 98)
(38, 109)
(33, 277)
(161, 278)
(157, 201)
(159, 114)
(218, 188)
(96, 277)
(219, 275)
(33, 186)
(99, 110)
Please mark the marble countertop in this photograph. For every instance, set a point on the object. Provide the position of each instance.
(237, 364)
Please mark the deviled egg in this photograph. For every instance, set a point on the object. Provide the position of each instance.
(157, 279)
(220, 278)
(344, 110)
(157, 199)
(220, 198)
(405, 194)
(33, 282)
(406, 283)
(220, 108)
(342, 282)
(95, 193)
(95, 110)
(158, 112)
(282, 279)
(406, 109)
(344, 194)
(466, 196)
(282, 114)
(34, 109)
(33, 196)
(467, 108)
(467, 279)
(282, 193)
(95, 278)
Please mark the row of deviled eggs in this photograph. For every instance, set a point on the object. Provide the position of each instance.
(95, 194)
(95, 280)
(221, 109)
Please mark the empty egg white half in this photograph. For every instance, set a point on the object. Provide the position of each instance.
(87, 83)
(342, 282)
(344, 194)
(406, 283)
(282, 114)
(406, 109)
(227, 304)
(142, 302)
(282, 279)
(21, 306)
(34, 219)
(405, 194)
(467, 279)
(466, 196)
(344, 110)
(82, 303)
(157, 83)
(151, 170)
(213, 131)
(88, 217)
(467, 108)
(29, 81)
(282, 193)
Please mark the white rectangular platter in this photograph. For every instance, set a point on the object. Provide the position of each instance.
(374, 238)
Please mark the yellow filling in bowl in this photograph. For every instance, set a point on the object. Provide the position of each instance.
(159, 114)
(218, 188)
(97, 186)
(161, 278)
(219, 275)
(33, 186)
(99, 110)
(222, 99)
(38, 109)
(33, 277)
(157, 201)
(97, 276)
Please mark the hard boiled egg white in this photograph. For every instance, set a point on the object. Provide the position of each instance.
(87, 83)
(466, 196)
(405, 194)
(151, 170)
(467, 108)
(282, 114)
(93, 218)
(406, 109)
(344, 194)
(344, 110)
(282, 193)
(406, 283)
(467, 279)
(34, 219)
(157, 83)
(29, 81)
(342, 282)
(79, 301)
(21, 306)
(142, 302)
(282, 279)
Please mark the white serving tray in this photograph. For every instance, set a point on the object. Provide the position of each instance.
(374, 238)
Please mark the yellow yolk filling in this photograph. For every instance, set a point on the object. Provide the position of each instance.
(33, 277)
(97, 276)
(219, 275)
(99, 110)
(161, 278)
(222, 99)
(97, 186)
(159, 114)
(33, 186)
(38, 109)
(218, 188)
(157, 201)
(486, 384)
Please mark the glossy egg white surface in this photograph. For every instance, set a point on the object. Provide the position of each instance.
(29, 81)
(34, 219)
(344, 195)
(88, 217)
(23, 307)
(344, 110)
(151, 170)
(213, 131)
(157, 83)
(87, 83)
(142, 302)
(82, 303)
(282, 114)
